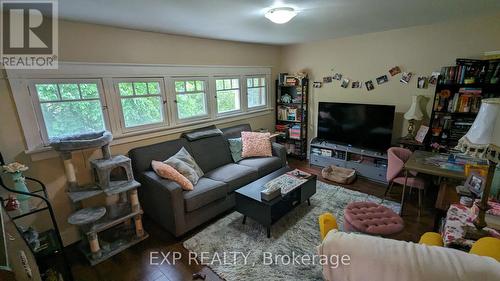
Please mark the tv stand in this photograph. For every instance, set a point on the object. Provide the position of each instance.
(367, 163)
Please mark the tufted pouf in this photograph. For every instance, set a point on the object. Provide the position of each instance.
(371, 218)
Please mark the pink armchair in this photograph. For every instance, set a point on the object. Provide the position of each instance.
(397, 157)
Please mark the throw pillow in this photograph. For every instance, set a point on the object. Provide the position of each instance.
(235, 146)
(184, 163)
(256, 144)
(167, 172)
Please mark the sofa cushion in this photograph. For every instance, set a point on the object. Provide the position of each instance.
(235, 145)
(256, 144)
(235, 131)
(205, 191)
(234, 175)
(264, 165)
(185, 164)
(142, 156)
(211, 152)
(168, 172)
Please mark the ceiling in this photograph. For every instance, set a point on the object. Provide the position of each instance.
(243, 20)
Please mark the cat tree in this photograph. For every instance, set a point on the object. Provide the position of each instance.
(109, 229)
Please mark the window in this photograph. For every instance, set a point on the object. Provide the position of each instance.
(227, 92)
(141, 102)
(256, 91)
(191, 99)
(69, 108)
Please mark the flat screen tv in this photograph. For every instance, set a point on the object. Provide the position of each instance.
(366, 126)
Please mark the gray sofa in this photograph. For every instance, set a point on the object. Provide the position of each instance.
(179, 211)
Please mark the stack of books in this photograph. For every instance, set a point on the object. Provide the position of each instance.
(295, 132)
(470, 71)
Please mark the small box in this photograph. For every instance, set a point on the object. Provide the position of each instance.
(267, 195)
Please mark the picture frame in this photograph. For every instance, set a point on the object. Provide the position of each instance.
(475, 183)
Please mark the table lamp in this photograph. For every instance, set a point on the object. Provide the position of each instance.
(483, 141)
(414, 113)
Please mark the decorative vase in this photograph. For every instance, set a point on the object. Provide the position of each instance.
(20, 185)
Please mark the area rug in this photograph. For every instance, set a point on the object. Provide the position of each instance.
(222, 244)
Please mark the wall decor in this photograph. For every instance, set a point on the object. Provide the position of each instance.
(422, 82)
(337, 76)
(382, 79)
(395, 70)
(356, 85)
(317, 84)
(345, 83)
(434, 78)
(406, 77)
(327, 79)
(369, 85)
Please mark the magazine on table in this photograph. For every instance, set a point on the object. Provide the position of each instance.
(287, 182)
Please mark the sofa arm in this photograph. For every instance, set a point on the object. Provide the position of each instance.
(163, 201)
(279, 151)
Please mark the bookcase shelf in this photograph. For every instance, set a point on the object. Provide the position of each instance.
(292, 116)
(456, 104)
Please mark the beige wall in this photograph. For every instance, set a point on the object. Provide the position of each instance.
(420, 50)
(95, 43)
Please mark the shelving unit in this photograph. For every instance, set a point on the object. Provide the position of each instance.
(292, 116)
(50, 254)
(457, 99)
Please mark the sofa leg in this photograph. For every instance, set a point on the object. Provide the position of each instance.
(309, 202)
(244, 219)
(268, 232)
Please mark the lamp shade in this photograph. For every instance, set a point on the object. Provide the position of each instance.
(483, 138)
(414, 113)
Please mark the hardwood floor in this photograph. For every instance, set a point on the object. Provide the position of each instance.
(134, 263)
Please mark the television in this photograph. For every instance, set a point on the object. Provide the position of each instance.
(367, 126)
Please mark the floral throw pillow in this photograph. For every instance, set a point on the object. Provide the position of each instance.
(184, 163)
(256, 145)
(167, 172)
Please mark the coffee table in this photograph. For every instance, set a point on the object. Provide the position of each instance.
(250, 204)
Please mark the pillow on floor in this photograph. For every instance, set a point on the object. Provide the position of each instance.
(256, 144)
(184, 163)
(235, 146)
(167, 172)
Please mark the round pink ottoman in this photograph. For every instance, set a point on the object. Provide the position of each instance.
(371, 218)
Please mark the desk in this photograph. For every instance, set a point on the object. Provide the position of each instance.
(420, 162)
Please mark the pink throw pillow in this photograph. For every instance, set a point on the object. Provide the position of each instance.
(167, 172)
(256, 144)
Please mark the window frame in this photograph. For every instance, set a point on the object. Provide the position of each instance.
(215, 92)
(37, 104)
(117, 98)
(266, 97)
(32, 125)
(208, 100)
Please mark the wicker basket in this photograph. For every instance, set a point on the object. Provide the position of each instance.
(339, 174)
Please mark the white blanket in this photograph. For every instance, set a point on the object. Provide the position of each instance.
(374, 258)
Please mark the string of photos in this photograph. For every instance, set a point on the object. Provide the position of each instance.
(423, 82)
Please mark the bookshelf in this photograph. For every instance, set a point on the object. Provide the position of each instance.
(458, 96)
(292, 97)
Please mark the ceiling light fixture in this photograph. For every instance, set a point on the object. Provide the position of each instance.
(281, 15)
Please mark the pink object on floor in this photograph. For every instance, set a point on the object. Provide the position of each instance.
(371, 218)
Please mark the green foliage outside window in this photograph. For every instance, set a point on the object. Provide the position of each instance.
(70, 108)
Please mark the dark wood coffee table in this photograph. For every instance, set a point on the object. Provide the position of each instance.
(250, 204)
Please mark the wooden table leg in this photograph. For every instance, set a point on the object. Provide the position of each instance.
(404, 190)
